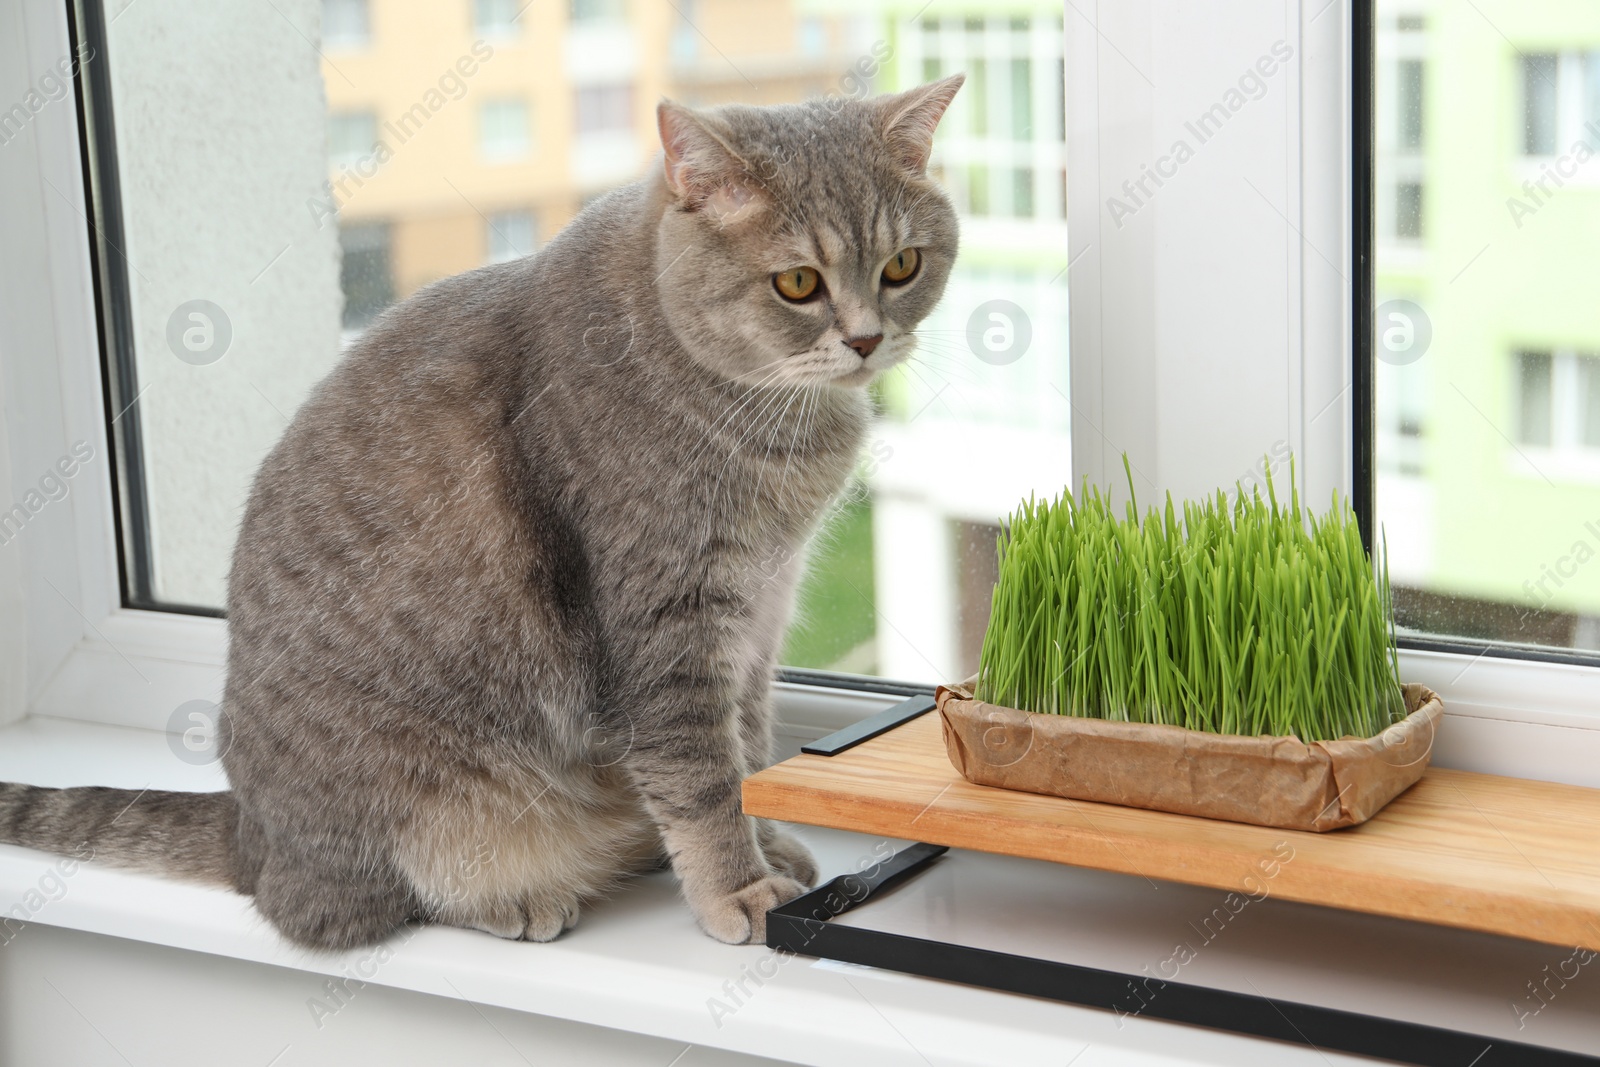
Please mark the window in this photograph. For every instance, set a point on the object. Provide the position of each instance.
(1539, 114)
(811, 37)
(366, 275)
(509, 235)
(1561, 109)
(598, 10)
(1557, 400)
(1007, 162)
(352, 138)
(344, 24)
(1486, 332)
(1408, 209)
(982, 418)
(603, 108)
(504, 133)
(1401, 129)
(1533, 398)
(498, 18)
(1409, 105)
(1220, 269)
(1591, 90)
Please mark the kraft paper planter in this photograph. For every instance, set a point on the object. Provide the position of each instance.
(1268, 781)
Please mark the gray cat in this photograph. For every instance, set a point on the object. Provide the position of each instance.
(508, 595)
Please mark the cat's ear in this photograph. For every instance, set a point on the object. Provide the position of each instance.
(700, 169)
(909, 119)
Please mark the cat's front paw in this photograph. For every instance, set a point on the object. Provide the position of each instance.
(740, 917)
(789, 857)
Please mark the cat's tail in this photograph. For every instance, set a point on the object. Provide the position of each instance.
(192, 836)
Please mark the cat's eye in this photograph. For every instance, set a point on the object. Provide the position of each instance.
(796, 283)
(902, 266)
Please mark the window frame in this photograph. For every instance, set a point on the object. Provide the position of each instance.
(1363, 486)
(93, 655)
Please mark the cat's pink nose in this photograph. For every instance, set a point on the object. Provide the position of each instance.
(865, 345)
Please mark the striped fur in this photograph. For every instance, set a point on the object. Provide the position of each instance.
(508, 595)
(182, 835)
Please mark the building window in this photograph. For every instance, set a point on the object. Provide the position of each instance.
(1560, 109)
(1533, 398)
(1509, 451)
(1401, 130)
(1591, 88)
(345, 24)
(811, 38)
(504, 131)
(1557, 398)
(1408, 210)
(1539, 113)
(510, 235)
(497, 18)
(1589, 397)
(1408, 85)
(1006, 130)
(598, 10)
(366, 274)
(352, 136)
(604, 108)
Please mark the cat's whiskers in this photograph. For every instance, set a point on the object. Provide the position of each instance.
(794, 436)
(737, 379)
(811, 418)
(773, 427)
(725, 419)
(742, 436)
(733, 454)
(945, 373)
(775, 390)
(953, 356)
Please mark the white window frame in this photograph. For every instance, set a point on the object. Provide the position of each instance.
(1195, 381)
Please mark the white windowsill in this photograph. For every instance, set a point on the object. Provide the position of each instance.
(636, 962)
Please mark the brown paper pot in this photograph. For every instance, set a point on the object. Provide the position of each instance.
(1268, 781)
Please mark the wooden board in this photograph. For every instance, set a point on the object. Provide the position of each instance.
(1502, 855)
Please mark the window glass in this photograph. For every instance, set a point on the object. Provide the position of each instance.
(352, 137)
(602, 108)
(1487, 326)
(1408, 104)
(1534, 425)
(598, 10)
(1408, 209)
(497, 18)
(1539, 99)
(1591, 87)
(503, 131)
(1589, 399)
(465, 131)
(510, 234)
(366, 271)
(344, 23)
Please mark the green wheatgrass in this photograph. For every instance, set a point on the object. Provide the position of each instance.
(1245, 618)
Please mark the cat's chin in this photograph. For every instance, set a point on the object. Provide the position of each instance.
(856, 379)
